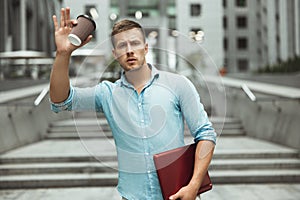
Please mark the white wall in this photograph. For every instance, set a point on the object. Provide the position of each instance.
(103, 26)
(210, 21)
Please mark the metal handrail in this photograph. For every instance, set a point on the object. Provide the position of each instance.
(41, 96)
(248, 92)
(35, 103)
(253, 98)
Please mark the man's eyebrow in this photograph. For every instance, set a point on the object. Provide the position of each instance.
(129, 40)
(120, 42)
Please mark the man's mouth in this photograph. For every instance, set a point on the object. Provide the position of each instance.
(131, 60)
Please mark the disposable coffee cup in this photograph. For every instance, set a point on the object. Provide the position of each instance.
(85, 26)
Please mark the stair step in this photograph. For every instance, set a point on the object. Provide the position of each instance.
(57, 168)
(238, 164)
(255, 176)
(101, 121)
(230, 132)
(104, 167)
(224, 154)
(223, 132)
(78, 135)
(226, 120)
(57, 159)
(110, 179)
(74, 134)
(58, 180)
(255, 154)
(80, 122)
(58, 129)
(228, 126)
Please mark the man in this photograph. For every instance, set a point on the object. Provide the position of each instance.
(144, 109)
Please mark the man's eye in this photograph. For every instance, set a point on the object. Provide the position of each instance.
(121, 46)
(135, 43)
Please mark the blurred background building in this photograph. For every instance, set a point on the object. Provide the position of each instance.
(27, 25)
(260, 33)
(238, 36)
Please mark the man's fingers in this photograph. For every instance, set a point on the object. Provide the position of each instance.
(87, 40)
(55, 22)
(174, 196)
(68, 21)
(73, 22)
(62, 18)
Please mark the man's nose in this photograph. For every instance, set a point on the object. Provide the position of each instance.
(129, 48)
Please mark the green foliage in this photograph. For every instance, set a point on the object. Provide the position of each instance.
(291, 65)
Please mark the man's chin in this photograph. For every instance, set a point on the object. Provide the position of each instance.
(132, 68)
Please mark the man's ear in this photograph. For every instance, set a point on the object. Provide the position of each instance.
(146, 48)
(114, 53)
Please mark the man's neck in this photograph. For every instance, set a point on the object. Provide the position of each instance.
(139, 77)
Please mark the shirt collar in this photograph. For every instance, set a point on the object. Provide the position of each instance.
(154, 75)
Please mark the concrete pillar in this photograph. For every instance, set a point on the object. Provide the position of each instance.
(163, 34)
(272, 53)
(283, 30)
(123, 5)
(297, 27)
(4, 28)
(23, 33)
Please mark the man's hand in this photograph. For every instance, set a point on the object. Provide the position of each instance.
(185, 193)
(62, 30)
(203, 156)
(59, 78)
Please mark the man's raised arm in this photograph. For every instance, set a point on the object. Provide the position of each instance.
(59, 78)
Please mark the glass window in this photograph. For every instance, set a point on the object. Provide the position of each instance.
(197, 34)
(225, 22)
(243, 65)
(241, 3)
(91, 10)
(225, 44)
(195, 9)
(241, 22)
(242, 43)
(224, 3)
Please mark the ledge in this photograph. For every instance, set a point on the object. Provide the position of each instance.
(266, 88)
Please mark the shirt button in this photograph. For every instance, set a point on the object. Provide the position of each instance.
(148, 171)
(147, 154)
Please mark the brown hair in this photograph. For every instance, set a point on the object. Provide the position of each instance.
(125, 25)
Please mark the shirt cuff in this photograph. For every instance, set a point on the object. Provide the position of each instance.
(66, 105)
(208, 135)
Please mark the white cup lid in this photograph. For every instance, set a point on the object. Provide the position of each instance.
(74, 39)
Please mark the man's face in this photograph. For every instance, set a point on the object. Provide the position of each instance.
(130, 49)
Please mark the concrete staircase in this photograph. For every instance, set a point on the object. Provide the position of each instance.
(61, 163)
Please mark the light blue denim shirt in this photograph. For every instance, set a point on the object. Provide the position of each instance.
(144, 124)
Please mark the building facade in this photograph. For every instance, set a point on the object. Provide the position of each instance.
(183, 34)
(260, 33)
(27, 25)
(99, 11)
(240, 35)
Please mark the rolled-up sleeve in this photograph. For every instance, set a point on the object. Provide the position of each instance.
(82, 99)
(63, 106)
(194, 113)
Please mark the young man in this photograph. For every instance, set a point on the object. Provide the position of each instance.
(144, 109)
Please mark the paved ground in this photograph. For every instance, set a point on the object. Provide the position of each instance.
(219, 192)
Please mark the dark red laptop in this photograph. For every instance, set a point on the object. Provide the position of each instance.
(175, 169)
